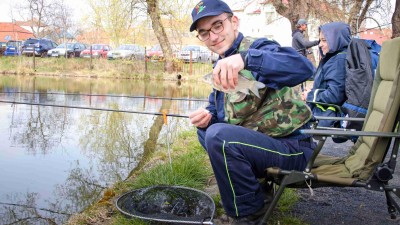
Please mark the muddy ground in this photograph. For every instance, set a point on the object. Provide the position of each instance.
(347, 206)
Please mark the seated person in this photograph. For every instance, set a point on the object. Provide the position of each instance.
(329, 82)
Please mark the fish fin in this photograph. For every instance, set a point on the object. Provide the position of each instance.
(255, 91)
(259, 85)
(245, 91)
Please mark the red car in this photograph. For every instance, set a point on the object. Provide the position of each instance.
(155, 53)
(98, 51)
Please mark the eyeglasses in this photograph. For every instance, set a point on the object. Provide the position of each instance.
(216, 28)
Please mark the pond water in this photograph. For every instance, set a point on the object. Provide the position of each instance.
(56, 160)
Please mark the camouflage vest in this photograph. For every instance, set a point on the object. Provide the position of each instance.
(277, 113)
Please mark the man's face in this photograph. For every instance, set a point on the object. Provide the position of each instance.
(221, 42)
(304, 27)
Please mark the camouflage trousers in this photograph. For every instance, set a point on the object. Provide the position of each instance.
(239, 157)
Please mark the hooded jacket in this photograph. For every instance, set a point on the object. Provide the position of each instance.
(329, 81)
(270, 64)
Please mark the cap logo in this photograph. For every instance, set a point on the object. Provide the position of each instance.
(199, 7)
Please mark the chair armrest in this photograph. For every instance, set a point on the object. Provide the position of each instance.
(339, 118)
(321, 132)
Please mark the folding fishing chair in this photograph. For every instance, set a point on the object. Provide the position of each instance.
(365, 164)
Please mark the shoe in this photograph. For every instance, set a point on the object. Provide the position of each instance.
(252, 219)
(269, 191)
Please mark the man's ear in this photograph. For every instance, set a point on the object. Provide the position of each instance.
(235, 22)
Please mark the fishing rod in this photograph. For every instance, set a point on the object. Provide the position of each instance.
(108, 95)
(98, 109)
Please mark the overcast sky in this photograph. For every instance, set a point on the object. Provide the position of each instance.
(77, 6)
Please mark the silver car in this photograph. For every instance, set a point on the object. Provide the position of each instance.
(67, 49)
(127, 51)
(198, 54)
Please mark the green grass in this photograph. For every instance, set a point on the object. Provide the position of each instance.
(190, 168)
(122, 220)
(182, 173)
(97, 67)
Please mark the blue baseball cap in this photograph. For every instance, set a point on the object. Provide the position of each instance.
(208, 8)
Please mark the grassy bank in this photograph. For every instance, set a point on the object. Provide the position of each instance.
(190, 168)
(99, 68)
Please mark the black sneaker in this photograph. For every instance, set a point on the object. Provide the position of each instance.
(252, 219)
(269, 191)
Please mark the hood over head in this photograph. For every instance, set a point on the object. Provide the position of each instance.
(337, 34)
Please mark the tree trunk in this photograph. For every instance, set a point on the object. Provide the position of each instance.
(159, 31)
(396, 21)
(293, 10)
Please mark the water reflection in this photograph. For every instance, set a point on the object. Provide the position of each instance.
(56, 161)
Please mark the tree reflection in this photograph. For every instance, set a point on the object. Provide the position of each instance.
(80, 190)
(115, 140)
(39, 129)
(24, 211)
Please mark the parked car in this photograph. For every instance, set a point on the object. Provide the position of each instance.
(98, 51)
(39, 47)
(199, 54)
(13, 48)
(127, 51)
(69, 49)
(155, 53)
(3, 46)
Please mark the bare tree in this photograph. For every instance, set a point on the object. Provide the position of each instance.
(353, 12)
(396, 20)
(116, 18)
(60, 22)
(36, 12)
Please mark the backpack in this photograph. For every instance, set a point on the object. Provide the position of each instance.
(361, 62)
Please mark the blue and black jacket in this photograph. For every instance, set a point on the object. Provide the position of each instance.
(329, 81)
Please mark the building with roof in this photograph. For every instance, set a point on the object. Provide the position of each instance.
(11, 31)
(258, 18)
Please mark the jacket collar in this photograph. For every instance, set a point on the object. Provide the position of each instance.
(235, 46)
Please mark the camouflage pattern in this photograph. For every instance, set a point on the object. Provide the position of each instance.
(277, 113)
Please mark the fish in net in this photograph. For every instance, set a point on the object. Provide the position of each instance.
(170, 204)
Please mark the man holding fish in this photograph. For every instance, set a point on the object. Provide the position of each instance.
(244, 132)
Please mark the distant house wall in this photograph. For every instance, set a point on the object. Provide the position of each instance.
(260, 19)
(376, 34)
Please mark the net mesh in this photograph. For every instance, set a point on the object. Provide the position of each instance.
(169, 204)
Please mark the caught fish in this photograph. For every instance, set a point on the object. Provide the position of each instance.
(243, 85)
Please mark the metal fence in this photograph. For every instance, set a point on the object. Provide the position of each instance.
(125, 67)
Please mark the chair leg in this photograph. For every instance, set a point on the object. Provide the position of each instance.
(291, 178)
(392, 205)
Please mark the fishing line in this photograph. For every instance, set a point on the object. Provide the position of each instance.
(92, 108)
(164, 112)
(108, 95)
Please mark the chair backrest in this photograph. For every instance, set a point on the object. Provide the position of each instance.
(382, 111)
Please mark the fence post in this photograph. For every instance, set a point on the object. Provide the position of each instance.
(34, 60)
(145, 59)
(190, 64)
(91, 66)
